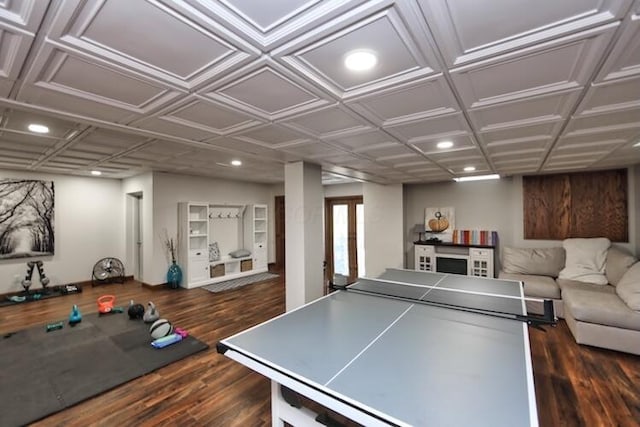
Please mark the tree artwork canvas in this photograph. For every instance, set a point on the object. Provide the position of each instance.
(26, 218)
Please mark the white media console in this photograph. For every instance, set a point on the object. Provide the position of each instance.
(471, 260)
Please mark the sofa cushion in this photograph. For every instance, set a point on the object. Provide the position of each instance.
(537, 261)
(585, 260)
(629, 287)
(603, 308)
(565, 284)
(535, 286)
(618, 262)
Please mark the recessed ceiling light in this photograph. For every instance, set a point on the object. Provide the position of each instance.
(34, 127)
(96, 173)
(469, 168)
(476, 178)
(236, 162)
(445, 144)
(637, 144)
(360, 60)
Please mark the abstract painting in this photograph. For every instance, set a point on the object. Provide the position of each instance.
(26, 218)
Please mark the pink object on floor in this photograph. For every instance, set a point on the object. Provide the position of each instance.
(181, 332)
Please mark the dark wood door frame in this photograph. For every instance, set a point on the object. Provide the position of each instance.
(279, 233)
(329, 203)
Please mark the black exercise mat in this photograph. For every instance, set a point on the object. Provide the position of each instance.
(44, 372)
(40, 294)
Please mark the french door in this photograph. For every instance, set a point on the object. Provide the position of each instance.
(344, 239)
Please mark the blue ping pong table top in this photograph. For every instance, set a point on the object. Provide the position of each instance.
(406, 363)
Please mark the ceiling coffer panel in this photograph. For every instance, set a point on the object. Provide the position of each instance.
(208, 116)
(200, 49)
(19, 21)
(425, 98)
(468, 30)
(267, 90)
(269, 24)
(509, 77)
(320, 55)
(624, 60)
(60, 73)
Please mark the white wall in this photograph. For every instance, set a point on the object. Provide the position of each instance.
(88, 225)
(340, 190)
(169, 189)
(383, 227)
(304, 240)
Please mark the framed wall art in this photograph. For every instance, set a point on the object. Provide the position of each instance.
(26, 218)
(439, 223)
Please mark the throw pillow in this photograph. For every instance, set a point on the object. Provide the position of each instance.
(618, 262)
(239, 253)
(536, 261)
(214, 252)
(628, 288)
(585, 260)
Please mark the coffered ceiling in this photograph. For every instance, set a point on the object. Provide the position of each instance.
(185, 86)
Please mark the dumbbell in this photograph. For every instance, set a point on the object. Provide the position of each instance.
(54, 326)
(44, 280)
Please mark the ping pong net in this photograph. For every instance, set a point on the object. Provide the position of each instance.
(471, 294)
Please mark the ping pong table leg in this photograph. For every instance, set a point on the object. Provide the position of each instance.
(282, 411)
(276, 402)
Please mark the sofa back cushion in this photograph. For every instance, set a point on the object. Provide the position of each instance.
(618, 262)
(628, 288)
(537, 261)
(585, 260)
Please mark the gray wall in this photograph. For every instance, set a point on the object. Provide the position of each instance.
(635, 208)
(485, 205)
(495, 205)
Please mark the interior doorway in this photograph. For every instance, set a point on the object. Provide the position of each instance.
(344, 238)
(134, 234)
(279, 233)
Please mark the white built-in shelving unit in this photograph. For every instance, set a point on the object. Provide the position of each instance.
(231, 227)
(193, 241)
(255, 234)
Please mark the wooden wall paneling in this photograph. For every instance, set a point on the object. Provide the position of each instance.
(588, 204)
(547, 202)
(599, 205)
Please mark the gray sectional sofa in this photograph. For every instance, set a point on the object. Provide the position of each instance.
(605, 316)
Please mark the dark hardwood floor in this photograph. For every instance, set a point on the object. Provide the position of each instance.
(575, 385)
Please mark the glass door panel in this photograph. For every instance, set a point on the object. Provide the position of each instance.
(360, 239)
(344, 238)
(341, 239)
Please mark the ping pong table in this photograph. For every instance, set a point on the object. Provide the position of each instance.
(406, 348)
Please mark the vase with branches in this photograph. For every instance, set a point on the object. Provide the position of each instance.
(169, 243)
(174, 274)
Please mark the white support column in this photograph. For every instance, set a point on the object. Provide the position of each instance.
(383, 227)
(304, 242)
